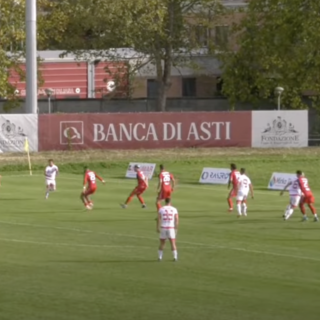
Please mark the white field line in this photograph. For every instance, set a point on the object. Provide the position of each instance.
(67, 244)
(201, 245)
(70, 245)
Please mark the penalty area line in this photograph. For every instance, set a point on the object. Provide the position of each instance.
(194, 245)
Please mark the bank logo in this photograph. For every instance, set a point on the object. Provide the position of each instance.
(71, 132)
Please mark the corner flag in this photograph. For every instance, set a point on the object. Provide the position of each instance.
(26, 145)
(26, 149)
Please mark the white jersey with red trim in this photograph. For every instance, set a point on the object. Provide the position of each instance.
(167, 217)
(294, 189)
(244, 184)
(51, 172)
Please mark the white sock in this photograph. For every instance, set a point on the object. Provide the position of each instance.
(289, 213)
(160, 254)
(175, 254)
(239, 209)
(244, 209)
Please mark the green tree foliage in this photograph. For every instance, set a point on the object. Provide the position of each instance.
(163, 32)
(277, 46)
(12, 39)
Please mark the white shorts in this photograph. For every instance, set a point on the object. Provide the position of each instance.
(51, 182)
(167, 234)
(241, 196)
(294, 200)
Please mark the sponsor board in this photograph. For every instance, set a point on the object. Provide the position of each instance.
(55, 91)
(146, 168)
(280, 129)
(14, 129)
(148, 131)
(215, 176)
(278, 180)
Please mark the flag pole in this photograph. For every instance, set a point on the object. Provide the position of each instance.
(26, 148)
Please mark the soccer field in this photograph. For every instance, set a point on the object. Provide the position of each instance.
(61, 262)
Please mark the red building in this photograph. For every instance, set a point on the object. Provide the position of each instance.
(76, 79)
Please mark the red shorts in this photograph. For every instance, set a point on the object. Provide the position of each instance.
(233, 193)
(138, 190)
(307, 199)
(164, 194)
(90, 190)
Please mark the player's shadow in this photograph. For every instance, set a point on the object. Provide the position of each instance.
(17, 199)
(106, 261)
(196, 211)
(104, 220)
(245, 221)
(200, 217)
(306, 229)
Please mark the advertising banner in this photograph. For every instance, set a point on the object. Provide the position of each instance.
(15, 128)
(279, 180)
(215, 176)
(146, 168)
(144, 130)
(280, 129)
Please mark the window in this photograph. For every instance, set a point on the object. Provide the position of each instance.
(219, 85)
(201, 35)
(221, 35)
(152, 88)
(189, 87)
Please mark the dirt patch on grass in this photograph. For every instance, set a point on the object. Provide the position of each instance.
(156, 154)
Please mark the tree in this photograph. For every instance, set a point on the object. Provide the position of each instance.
(12, 40)
(162, 32)
(278, 46)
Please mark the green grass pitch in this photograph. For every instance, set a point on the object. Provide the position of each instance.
(60, 262)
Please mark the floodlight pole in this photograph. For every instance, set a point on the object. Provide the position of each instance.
(49, 104)
(31, 57)
(279, 101)
(279, 91)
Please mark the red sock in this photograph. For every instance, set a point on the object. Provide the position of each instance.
(230, 203)
(128, 200)
(312, 208)
(140, 199)
(302, 209)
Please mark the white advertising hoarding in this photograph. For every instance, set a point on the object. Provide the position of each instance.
(215, 176)
(15, 128)
(146, 168)
(280, 129)
(278, 180)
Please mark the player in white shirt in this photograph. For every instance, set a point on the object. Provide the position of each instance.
(295, 194)
(243, 188)
(167, 226)
(50, 173)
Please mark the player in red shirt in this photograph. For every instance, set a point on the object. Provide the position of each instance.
(234, 176)
(89, 187)
(139, 189)
(307, 196)
(165, 186)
